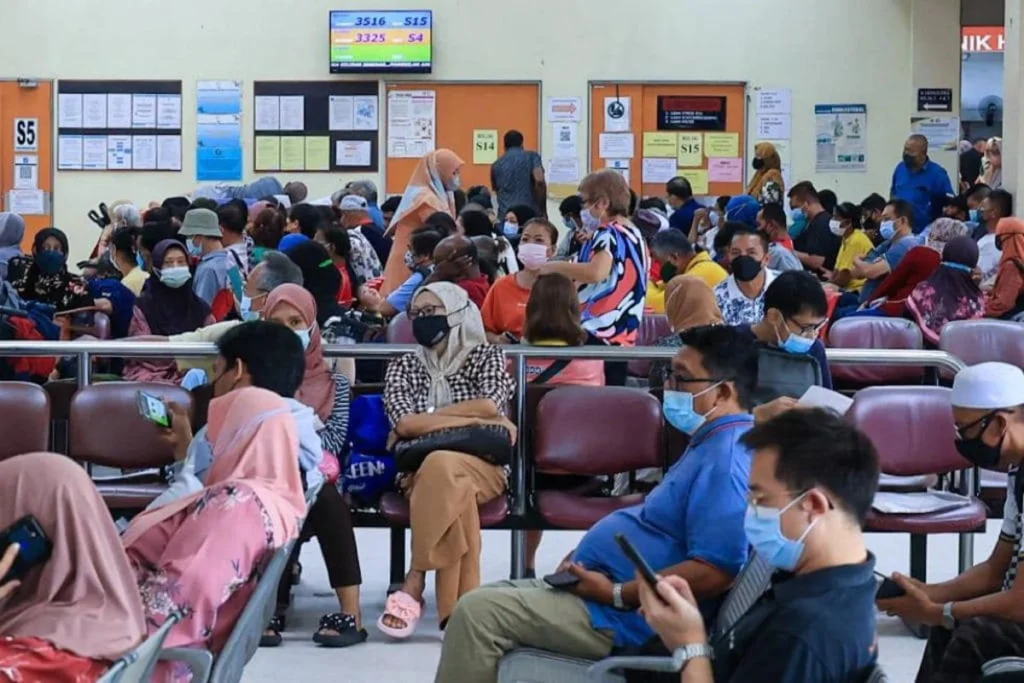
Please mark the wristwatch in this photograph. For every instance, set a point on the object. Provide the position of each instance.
(689, 652)
(617, 602)
(948, 620)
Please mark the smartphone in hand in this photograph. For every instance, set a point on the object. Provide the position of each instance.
(887, 588)
(34, 546)
(562, 580)
(648, 574)
(153, 408)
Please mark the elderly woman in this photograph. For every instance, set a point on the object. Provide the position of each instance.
(430, 189)
(767, 185)
(454, 381)
(950, 293)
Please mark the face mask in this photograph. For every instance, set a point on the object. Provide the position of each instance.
(798, 227)
(764, 532)
(957, 266)
(591, 223)
(974, 215)
(245, 308)
(714, 218)
(910, 160)
(533, 255)
(794, 343)
(678, 408)
(510, 229)
(668, 271)
(305, 336)
(979, 453)
(799, 215)
(50, 262)
(195, 250)
(175, 277)
(456, 183)
(887, 230)
(140, 262)
(758, 164)
(836, 227)
(408, 260)
(745, 268)
(430, 330)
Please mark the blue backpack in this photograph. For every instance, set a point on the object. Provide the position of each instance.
(369, 469)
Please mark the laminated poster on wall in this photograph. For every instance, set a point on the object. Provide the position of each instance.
(721, 145)
(69, 110)
(841, 137)
(168, 153)
(774, 126)
(27, 202)
(318, 153)
(412, 123)
(94, 110)
(352, 153)
(94, 153)
(365, 111)
(690, 151)
(144, 152)
(565, 109)
(658, 170)
(563, 172)
(26, 172)
(663, 145)
(266, 114)
(698, 178)
(565, 138)
(485, 147)
(724, 170)
(119, 152)
(620, 166)
(775, 101)
(615, 146)
(119, 111)
(943, 132)
(218, 131)
(617, 115)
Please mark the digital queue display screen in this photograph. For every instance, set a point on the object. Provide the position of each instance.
(381, 42)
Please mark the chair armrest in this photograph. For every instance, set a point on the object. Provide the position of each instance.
(199, 661)
(611, 664)
(1002, 665)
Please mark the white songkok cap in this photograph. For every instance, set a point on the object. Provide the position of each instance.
(989, 386)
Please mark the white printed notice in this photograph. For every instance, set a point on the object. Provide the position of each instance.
(342, 113)
(412, 123)
(840, 137)
(352, 153)
(365, 111)
(615, 145)
(267, 113)
(168, 111)
(69, 152)
(119, 110)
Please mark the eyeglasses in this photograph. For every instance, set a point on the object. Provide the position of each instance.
(754, 500)
(675, 379)
(811, 331)
(426, 311)
(984, 421)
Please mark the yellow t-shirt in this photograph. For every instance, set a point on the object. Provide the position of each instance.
(655, 301)
(857, 245)
(135, 279)
(703, 267)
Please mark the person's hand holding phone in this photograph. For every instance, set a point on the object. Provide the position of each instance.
(179, 436)
(593, 586)
(674, 615)
(6, 562)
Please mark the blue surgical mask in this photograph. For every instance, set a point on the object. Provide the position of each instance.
(958, 266)
(195, 250)
(175, 277)
(510, 229)
(974, 216)
(591, 223)
(763, 527)
(140, 262)
(245, 308)
(569, 223)
(887, 229)
(50, 261)
(799, 215)
(678, 407)
(794, 342)
(306, 337)
(799, 224)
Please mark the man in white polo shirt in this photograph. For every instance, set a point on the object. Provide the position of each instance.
(979, 615)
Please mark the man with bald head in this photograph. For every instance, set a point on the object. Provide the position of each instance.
(920, 181)
(457, 260)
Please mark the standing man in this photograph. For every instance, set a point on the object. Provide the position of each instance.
(977, 616)
(518, 177)
(920, 181)
(679, 196)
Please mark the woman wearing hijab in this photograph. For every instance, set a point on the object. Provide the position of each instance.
(767, 185)
(12, 231)
(168, 306)
(689, 302)
(1006, 300)
(430, 189)
(330, 519)
(71, 617)
(205, 552)
(950, 293)
(455, 379)
(44, 276)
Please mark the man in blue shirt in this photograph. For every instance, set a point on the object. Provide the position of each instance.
(920, 181)
(897, 229)
(685, 207)
(690, 525)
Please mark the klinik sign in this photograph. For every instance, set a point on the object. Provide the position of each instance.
(983, 39)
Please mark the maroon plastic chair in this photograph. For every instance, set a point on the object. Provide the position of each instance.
(24, 419)
(400, 330)
(652, 328)
(979, 341)
(875, 333)
(594, 431)
(105, 429)
(912, 429)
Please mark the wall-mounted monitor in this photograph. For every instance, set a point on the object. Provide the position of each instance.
(381, 41)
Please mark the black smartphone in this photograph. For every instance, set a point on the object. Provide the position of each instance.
(153, 409)
(887, 588)
(640, 563)
(561, 580)
(34, 546)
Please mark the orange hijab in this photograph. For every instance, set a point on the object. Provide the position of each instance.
(1010, 232)
(690, 302)
(770, 172)
(427, 186)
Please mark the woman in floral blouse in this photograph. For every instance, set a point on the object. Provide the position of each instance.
(45, 278)
(202, 555)
(454, 379)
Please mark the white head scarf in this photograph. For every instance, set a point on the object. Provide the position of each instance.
(467, 333)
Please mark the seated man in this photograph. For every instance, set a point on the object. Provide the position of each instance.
(978, 615)
(691, 525)
(677, 256)
(457, 260)
(811, 485)
(897, 229)
(741, 296)
(771, 220)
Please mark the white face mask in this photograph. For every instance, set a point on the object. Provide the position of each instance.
(175, 277)
(533, 255)
(306, 337)
(836, 227)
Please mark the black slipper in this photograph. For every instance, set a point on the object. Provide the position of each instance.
(346, 632)
(273, 639)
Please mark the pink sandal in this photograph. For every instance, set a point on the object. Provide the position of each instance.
(400, 605)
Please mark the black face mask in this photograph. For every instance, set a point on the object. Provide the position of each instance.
(745, 268)
(430, 330)
(668, 271)
(758, 164)
(979, 453)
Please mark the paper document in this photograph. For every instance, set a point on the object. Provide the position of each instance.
(94, 111)
(168, 111)
(119, 110)
(820, 397)
(268, 113)
(925, 502)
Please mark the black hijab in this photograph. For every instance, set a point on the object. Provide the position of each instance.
(168, 310)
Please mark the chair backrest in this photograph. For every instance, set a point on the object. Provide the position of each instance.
(751, 583)
(24, 419)
(400, 330)
(597, 431)
(92, 324)
(245, 636)
(652, 328)
(106, 428)
(911, 427)
(780, 373)
(876, 333)
(979, 341)
(137, 665)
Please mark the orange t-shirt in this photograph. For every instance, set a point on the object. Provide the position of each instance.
(505, 307)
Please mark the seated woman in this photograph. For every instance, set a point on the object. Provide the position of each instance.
(950, 293)
(44, 276)
(167, 306)
(336, 241)
(455, 379)
(66, 622)
(330, 519)
(1006, 300)
(689, 302)
(206, 552)
(553, 319)
(509, 234)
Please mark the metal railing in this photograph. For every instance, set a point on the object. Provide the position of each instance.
(85, 351)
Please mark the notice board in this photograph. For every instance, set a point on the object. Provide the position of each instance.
(651, 132)
(26, 154)
(465, 115)
(316, 126)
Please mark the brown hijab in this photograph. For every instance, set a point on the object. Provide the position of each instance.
(690, 302)
(770, 172)
(84, 599)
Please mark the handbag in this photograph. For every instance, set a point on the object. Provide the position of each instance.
(489, 442)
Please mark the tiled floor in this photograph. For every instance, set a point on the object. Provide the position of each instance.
(414, 661)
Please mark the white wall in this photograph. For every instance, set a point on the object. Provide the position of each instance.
(827, 51)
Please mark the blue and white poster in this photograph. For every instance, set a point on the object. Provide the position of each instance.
(841, 137)
(219, 131)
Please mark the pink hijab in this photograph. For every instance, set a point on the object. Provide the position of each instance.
(84, 599)
(255, 443)
(318, 389)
